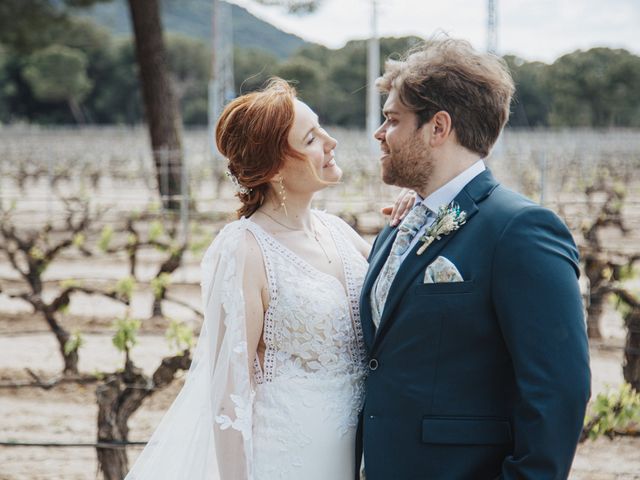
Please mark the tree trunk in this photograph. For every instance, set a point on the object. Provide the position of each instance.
(119, 397)
(62, 336)
(593, 266)
(156, 309)
(76, 111)
(631, 368)
(594, 312)
(113, 462)
(160, 104)
(169, 266)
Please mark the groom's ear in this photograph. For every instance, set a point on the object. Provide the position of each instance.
(438, 129)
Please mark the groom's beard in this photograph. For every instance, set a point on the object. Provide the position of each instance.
(409, 166)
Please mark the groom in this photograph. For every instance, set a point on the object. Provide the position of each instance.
(471, 310)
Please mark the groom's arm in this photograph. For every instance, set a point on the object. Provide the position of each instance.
(537, 299)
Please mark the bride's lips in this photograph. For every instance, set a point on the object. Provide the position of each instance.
(330, 163)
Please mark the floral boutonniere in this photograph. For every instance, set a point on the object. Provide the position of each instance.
(449, 219)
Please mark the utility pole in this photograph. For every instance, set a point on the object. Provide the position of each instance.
(492, 27)
(492, 47)
(221, 89)
(373, 71)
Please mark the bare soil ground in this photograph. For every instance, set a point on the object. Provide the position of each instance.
(67, 413)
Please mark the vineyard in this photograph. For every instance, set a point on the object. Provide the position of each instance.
(99, 286)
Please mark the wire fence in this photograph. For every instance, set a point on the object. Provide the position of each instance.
(115, 169)
(118, 163)
(109, 445)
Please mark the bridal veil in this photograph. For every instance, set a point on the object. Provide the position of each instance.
(207, 432)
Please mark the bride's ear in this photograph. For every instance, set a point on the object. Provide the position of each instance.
(277, 189)
(276, 181)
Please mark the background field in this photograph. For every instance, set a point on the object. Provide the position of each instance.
(112, 169)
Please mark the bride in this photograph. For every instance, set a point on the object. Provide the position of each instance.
(276, 383)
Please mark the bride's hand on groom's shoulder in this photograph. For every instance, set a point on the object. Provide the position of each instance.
(404, 202)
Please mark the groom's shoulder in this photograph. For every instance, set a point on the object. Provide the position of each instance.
(506, 203)
(510, 208)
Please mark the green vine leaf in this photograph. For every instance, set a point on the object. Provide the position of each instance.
(156, 230)
(124, 287)
(159, 284)
(125, 337)
(179, 336)
(74, 343)
(105, 238)
(614, 411)
(79, 240)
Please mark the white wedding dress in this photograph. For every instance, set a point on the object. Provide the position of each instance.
(295, 416)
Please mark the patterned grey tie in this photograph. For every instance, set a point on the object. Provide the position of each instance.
(408, 229)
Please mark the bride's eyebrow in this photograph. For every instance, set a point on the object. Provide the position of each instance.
(308, 132)
(311, 129)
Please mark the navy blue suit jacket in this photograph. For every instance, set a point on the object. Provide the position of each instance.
(485, 378)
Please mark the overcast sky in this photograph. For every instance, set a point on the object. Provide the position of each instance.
(532, 29)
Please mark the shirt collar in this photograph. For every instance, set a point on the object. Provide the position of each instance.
(450, 190)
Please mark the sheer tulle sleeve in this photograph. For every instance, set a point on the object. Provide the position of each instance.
(206, 433)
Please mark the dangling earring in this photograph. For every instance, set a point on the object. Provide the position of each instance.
(283, 196)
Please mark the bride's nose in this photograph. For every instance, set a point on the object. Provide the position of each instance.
(332, 143)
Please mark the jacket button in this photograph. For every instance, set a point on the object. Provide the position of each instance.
(373, 364)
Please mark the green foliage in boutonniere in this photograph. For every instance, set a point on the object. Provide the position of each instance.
(449, 219)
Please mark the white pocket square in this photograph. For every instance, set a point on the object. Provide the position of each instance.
(441, 270)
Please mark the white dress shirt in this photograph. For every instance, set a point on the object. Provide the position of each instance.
(444, 196)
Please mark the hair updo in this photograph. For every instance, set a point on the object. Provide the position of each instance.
(252, 133)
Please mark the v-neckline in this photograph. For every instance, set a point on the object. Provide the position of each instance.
(304, 263)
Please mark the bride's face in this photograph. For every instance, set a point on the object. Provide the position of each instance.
(319, 168)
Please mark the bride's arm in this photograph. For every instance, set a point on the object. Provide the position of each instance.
(229, 443)
(256, 297)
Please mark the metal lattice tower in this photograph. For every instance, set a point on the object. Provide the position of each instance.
(221, 88)
(492, 27)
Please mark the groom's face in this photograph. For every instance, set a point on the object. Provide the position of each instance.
(406, 157)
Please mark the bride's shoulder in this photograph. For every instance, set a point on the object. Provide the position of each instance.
(242, 233)
(233, 239)
(235, 244)
(236, 232)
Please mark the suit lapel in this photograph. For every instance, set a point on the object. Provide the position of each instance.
(375, 265)
(476, 191)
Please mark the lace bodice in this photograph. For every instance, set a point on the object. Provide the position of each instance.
(312, 325)
(311, 387)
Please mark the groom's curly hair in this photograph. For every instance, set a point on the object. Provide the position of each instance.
(474, 88)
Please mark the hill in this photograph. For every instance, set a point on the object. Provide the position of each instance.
(193, 19)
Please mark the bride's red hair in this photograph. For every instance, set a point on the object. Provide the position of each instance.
(252, 133)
